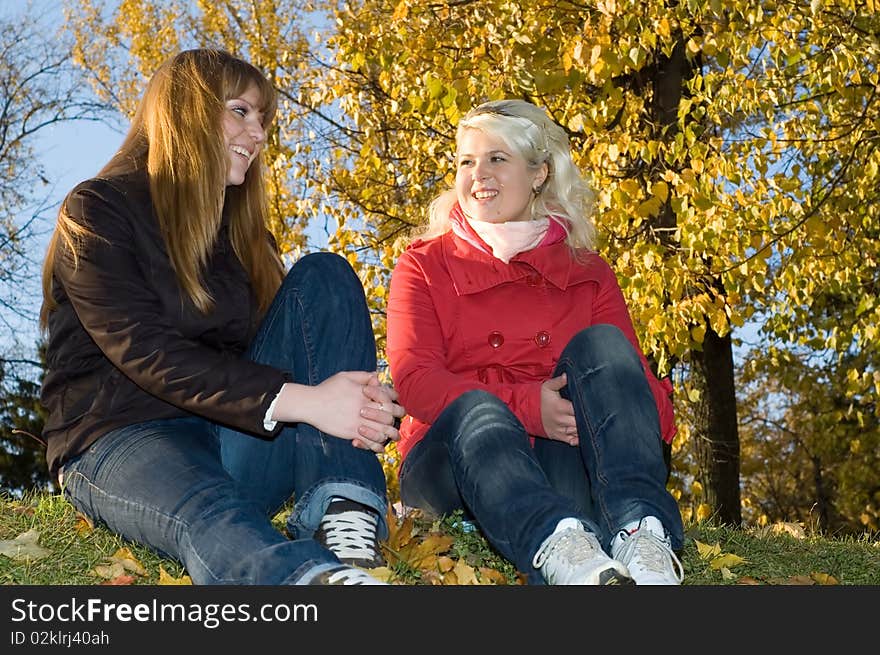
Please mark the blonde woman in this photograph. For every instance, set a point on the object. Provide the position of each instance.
(531, 405)
(193, 387)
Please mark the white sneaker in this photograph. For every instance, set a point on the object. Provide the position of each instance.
(647, 553)
(573, 556)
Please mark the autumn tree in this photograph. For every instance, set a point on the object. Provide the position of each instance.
(811, 448)
(732, 146)
(39, 88)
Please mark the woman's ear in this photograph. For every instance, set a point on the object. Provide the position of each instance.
(540, 178)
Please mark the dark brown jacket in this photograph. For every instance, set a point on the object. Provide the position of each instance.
(126, 346)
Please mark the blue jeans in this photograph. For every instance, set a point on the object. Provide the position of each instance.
(205, 494)
(478, 457)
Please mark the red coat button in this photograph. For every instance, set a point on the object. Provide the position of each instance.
(542, 339)
(533, 280)
(496, 339)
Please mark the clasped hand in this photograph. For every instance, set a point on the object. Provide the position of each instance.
(360, 408)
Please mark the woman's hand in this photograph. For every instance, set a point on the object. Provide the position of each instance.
(557, 413)
(384, 412)
(351, 405)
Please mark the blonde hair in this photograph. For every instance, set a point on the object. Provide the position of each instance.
(528, 130)
(177, 137)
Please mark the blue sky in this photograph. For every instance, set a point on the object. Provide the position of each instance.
(68, 153)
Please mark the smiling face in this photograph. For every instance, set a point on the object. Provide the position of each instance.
(244, 133)
(493, 182)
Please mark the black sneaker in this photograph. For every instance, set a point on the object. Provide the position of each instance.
(344, 575)
(348, 529)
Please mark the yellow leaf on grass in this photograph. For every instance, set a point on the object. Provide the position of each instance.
(824, 578)
(129, 562)
(493, 576)
(382, 573)
(83, 525)
(726, 574)
(465, 573)
(706, 551)
(166, 579)
(793, 529)
(445, 563)
(726, 561)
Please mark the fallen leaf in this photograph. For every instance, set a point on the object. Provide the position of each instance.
(707, 551)
(726, 574)
(492, 575)
(120, 580)
(129, 562)
(83, 525)
(800, 580)
(726, 561)
(112, 570)
(824, 578)
(24, 546)
(382, 573)
(793, 529)
(432, 577)
(465, 573)
(166, 579)
(748, 580)
(445, 563)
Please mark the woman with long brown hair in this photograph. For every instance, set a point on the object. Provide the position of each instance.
(193, 387)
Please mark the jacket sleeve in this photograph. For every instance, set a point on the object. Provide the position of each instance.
(117, 307)
(417, 356)
(610, 308)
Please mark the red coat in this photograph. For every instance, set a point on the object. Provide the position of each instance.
(460, 319)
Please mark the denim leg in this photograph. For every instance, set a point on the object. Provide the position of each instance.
(619, 432)
(566, 472)
(497, 477)
(317, 325)
(161, 484)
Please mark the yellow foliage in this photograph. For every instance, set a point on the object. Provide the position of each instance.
(166, 578)
(724, 223)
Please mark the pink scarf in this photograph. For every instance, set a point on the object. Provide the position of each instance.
(505, 240)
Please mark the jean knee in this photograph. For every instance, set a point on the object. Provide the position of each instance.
(481, 418)
(601, 343)
(477, 400)
(323, 269)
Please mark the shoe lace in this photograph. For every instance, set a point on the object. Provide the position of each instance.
(352, 576)
(351, 533)
(651, 552)
(573, 545)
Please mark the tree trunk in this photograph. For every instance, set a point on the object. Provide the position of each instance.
(715, 430)
(716, 437)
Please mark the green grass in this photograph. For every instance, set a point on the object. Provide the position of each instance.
(770, 558)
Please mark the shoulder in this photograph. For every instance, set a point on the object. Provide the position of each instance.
(96, 197)
(590, 263)
(115, 187)
(422, 252)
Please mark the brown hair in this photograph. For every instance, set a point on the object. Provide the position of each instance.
(176, 135)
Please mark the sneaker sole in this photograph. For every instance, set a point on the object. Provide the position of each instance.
(614, 577)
